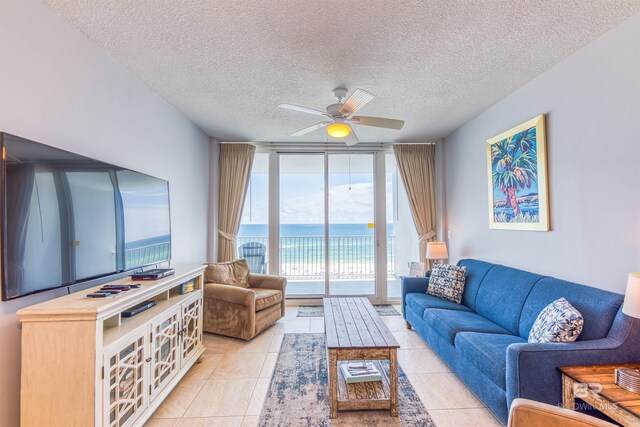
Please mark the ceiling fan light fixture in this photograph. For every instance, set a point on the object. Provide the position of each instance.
(338, 130)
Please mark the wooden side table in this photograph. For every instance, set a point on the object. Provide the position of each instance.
(595, 385)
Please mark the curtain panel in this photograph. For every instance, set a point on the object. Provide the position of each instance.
(416, 164)
(235, 169)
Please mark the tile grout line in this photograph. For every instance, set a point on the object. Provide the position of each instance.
(194, 398)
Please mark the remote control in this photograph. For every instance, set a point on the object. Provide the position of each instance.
(111, 288)
(98, 295)
(125, 287)
(110, 291)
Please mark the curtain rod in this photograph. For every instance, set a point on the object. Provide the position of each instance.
(314, 146)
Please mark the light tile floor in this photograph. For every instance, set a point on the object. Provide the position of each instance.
(228, 388)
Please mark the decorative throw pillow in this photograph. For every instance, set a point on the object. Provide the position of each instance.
(447, 282)
(233, 273)
(557, 322)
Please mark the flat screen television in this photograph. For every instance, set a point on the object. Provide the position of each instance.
(69, 219)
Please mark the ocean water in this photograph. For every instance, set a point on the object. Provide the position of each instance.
(308, 230)
(302, 249)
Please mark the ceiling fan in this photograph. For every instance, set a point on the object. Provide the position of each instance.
(340, 116)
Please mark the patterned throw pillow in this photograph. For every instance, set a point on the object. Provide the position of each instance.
(557, 322)
(447, 282)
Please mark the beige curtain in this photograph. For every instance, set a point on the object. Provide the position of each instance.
(416, 163)
(235, 170)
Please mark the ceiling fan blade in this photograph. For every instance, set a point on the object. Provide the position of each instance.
(351, 139)
(303, 109)
(358, 99)
(310, 129)
(380, 122)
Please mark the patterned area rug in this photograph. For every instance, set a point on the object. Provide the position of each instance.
(318, 310)
(298, 393)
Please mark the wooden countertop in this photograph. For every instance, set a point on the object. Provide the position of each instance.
(77, 306)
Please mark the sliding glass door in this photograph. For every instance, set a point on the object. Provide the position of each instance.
(351, 224)
(302, 231)
(333, 223)
(327, 236)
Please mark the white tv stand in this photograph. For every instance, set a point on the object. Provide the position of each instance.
(83, 364)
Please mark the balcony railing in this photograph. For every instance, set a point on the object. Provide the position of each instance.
(350, 257)
(147, 251)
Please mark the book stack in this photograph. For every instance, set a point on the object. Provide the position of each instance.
(360, 372)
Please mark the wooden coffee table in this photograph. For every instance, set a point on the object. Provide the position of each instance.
(355, 331)
(595, 385)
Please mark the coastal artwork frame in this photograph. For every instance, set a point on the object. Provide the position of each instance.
(517, 178)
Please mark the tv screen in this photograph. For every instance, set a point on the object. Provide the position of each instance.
(68, 218)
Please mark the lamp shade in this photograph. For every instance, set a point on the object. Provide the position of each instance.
(437, 250)
(631, 305)
(338, 130)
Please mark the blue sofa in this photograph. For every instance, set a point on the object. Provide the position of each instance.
(484, 339)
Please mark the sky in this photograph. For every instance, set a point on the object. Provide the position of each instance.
(302, 199)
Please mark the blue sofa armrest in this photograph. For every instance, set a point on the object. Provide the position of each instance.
(532, 368)
(413, 284)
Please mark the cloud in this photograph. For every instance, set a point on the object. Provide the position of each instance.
(346, 205)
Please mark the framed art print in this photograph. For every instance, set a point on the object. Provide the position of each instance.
(517, 178)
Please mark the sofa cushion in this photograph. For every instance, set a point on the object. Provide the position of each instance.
(487, 352)
(557, 322)
(232, 273)
(476, 270)
(447, 282)
(418, 302)
(267, 297)
(447, 323)
(502, 295)
(598, 307)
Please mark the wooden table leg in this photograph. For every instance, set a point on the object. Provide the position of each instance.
(393, 380)
(333, 384)
(568, 399)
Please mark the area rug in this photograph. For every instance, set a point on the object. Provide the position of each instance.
(318, 310)
(298, 393)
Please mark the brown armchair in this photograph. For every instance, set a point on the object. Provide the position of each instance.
(247, 307)
(528, 413)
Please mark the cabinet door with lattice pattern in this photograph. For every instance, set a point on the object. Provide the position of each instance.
(165, 350)
(191, 327)
(126, 379)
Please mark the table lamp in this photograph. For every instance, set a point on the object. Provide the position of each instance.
(437, 251)
(631, 305)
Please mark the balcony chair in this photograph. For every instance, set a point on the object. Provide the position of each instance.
(255, 254)
(529, 413)
(238, 303)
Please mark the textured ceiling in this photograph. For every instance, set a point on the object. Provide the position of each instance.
(435, 64)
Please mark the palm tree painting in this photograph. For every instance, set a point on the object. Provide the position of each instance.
(517, 178)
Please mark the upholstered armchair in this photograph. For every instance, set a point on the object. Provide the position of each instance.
(529, 413)
(241, 304)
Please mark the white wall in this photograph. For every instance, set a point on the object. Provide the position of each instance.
(592, 105)
(58, 88)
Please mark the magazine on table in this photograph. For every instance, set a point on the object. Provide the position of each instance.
(360, 372)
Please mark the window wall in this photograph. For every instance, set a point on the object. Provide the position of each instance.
(404, 247)
(253, 236)
(328, 222)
